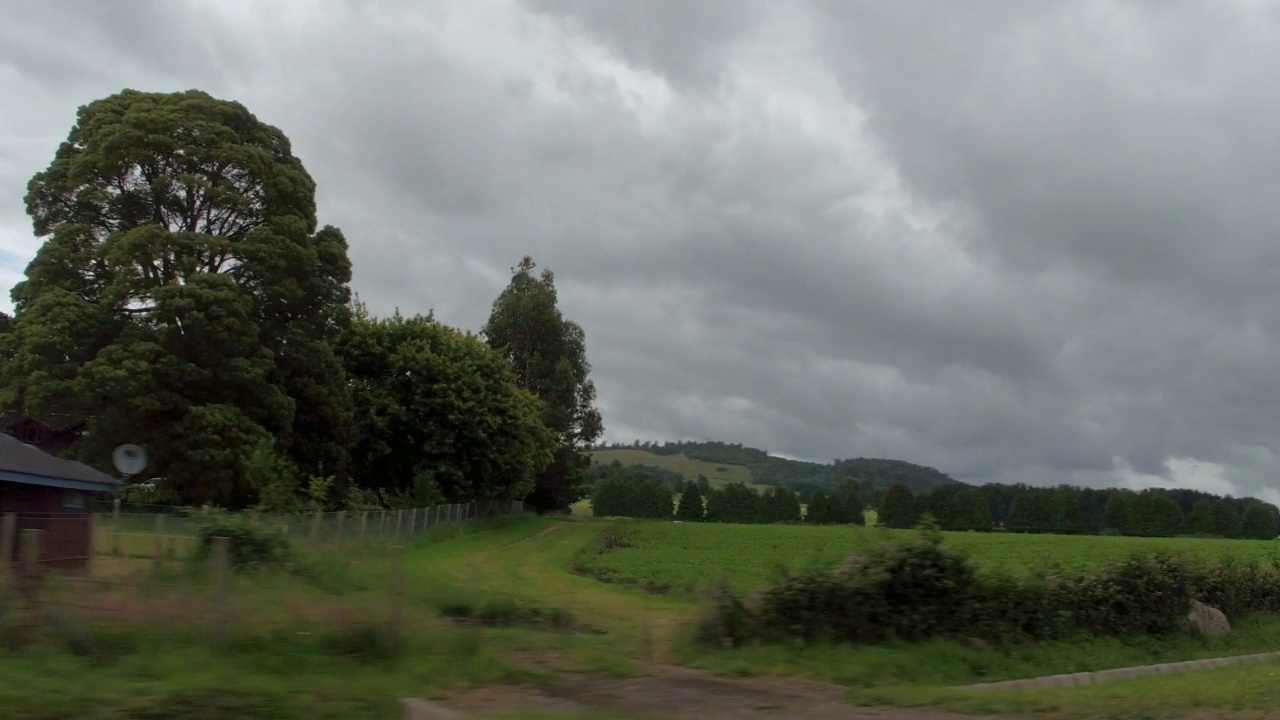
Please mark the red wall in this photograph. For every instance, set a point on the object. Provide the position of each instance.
(68, 536)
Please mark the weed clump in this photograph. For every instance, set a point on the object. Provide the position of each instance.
(250, 545)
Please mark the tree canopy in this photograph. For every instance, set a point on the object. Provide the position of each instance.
(183, 297)
(549, 357)
(439, 415)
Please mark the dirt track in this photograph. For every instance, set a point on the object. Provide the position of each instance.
(681, 693)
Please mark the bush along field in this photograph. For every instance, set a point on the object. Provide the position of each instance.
(918, 589)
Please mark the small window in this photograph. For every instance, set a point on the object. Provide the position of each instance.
(73, 502)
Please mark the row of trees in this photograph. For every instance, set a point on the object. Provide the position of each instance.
(622, 496)
(1155, 512)
(1062, 510)
(185, 298)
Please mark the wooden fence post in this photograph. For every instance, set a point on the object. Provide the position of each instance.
(315, 530)
(382, 524)
(342, 523)
(93, 543)
(115, 519)
(399, 518)
(218, 574)
(397, 592)
(364, 522)
(29, 584)
(8, 533)
(413, 521)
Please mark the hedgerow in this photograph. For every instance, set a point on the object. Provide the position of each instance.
(917, 588)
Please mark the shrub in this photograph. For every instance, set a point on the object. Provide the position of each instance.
(250, 545)
(916, 589)
(727, 621)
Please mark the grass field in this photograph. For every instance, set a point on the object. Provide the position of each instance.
(521, 568)
(718, 474)
(689, 556)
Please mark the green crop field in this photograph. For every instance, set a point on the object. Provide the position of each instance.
(689, 556)
(718, 474)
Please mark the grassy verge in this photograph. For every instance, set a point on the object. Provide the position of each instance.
(946, 663)
(1246, 691)
(310, 639)
(266, 677)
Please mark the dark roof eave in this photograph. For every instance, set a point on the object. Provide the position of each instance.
(43, 481)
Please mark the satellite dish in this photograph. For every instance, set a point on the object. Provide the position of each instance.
(129, 459)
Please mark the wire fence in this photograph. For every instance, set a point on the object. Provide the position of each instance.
(160, 575)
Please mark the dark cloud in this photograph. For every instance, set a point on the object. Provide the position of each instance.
(1016, 241)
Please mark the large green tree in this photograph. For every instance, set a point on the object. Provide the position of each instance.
(1200, 521)
(1226, 521)
(183, 297)
(691, 506)
(549, 356)
(897, 508)
(1259, 522)
(1117, 518)
(439, 414)
(1034, 510)
(969, 511)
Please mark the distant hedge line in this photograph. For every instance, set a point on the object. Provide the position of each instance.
(916, 589)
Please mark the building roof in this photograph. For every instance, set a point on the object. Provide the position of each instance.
(22, 463)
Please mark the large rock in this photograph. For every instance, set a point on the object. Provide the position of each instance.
(1207, 622)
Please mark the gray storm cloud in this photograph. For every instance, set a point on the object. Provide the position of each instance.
(1016, 241)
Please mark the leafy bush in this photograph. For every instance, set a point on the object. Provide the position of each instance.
(727, 622)
(250, 545)
(916, 589)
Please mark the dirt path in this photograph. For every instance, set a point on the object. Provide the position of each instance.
(681, 693)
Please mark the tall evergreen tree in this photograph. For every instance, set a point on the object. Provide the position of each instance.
(1259, 522)
(653, 500)
(1201, 520)
(897, 508)
(549, 356)
(691, 507)
(1154, 514)
(614, 497)
(819, 510)
(733, 503)
(780, 505)
(1117, 518)
(1226, 522)
(1068, 514)
(1034, 510)
(969, 511)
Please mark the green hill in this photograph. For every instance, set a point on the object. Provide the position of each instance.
(724, 462)
(717, 473)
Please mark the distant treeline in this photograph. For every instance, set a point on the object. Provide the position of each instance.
(648, 492)
(800, 475)
(1065, 509)
(645, 492)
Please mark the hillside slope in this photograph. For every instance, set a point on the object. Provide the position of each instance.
(717, 473)
(724, 462)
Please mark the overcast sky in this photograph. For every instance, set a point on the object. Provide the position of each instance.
(1015, 240)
